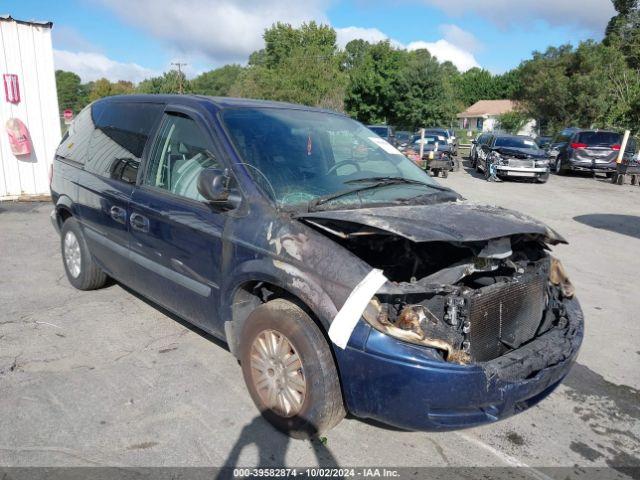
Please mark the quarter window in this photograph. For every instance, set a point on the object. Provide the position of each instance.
(119, 137)
(179, 154)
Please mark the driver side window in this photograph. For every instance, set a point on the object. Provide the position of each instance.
(179, 154)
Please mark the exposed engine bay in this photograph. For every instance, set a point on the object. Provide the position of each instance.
(473, 301)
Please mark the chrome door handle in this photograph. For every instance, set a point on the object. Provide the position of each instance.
(139, 222)
(118, 214)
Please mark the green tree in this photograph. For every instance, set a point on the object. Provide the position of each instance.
(104, 88)
(371, 93)
(168, 82)
(421, 96)
(545, 88)
(72, 93)
(99, 89)
(508, 84)
(590, 86)
(512, 122)
(216, 82)
(623, 30)
(476, 84)
(300, 65)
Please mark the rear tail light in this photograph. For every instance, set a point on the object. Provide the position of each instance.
(615, 147)
(576, 145)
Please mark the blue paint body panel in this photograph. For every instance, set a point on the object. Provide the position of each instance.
(191, 259)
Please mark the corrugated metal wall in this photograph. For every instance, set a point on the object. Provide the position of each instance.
(26, 50)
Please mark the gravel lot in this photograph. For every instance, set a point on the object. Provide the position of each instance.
(105, 378)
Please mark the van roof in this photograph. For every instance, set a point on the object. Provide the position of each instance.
(220, 102)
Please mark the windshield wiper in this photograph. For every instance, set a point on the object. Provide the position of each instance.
(397, 180)
(378, 182)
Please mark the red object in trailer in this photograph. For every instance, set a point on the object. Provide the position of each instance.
(19, 138)
(11, 88)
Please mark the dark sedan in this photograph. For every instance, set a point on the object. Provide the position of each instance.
(513, 156)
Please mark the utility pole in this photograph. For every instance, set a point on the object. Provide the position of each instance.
(179, 65)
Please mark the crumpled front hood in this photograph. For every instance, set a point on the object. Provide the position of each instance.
(448, 222)
(521, 152)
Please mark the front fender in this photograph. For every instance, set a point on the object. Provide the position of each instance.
(284, 275)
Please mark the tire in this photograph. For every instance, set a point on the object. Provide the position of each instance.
(79, 265)
(478, 166)
(320, 406)
(559, 169)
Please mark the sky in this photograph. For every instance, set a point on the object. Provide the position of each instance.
(136, 39)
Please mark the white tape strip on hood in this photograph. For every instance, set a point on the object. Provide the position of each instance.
(347, 318)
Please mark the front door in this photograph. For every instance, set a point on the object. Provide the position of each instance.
(176, 237)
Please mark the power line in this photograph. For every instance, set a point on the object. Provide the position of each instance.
(179, 65)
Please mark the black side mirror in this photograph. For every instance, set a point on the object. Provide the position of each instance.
(213, 185)
(474, 142)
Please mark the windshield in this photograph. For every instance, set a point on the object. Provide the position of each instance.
(517, 142)
(599, 138)
(429, 140)
(403, 136)
(382, 131)
(299, 156)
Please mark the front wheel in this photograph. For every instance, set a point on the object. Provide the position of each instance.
(559, 169)
(289, 370)
(82, 271)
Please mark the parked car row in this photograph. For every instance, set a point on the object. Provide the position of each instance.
(439, 150)
(574, 149)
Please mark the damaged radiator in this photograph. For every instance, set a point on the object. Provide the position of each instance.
(502, 317)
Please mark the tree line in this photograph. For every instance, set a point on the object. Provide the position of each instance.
(595, 84)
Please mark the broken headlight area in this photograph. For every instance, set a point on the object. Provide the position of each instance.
(502, 296)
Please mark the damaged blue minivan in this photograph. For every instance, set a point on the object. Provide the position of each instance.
(340, 274)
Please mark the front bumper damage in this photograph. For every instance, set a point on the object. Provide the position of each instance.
(411, 387)
(507, 171)
(474, 321)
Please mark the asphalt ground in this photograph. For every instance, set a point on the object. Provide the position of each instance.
(104, 378)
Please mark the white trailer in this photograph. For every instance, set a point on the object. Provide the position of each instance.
(28, 95)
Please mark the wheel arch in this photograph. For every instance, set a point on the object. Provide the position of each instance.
(64, 209)
(250, 294)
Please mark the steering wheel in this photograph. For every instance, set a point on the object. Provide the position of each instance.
(343, 163)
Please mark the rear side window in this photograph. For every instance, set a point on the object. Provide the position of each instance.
(605, 139)
(75, 143)
(120, 135)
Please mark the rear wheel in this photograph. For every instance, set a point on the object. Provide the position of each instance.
(289, 370)
(82, 271)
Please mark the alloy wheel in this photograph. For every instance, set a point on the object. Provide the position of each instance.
(72, 254)
(277, 373)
